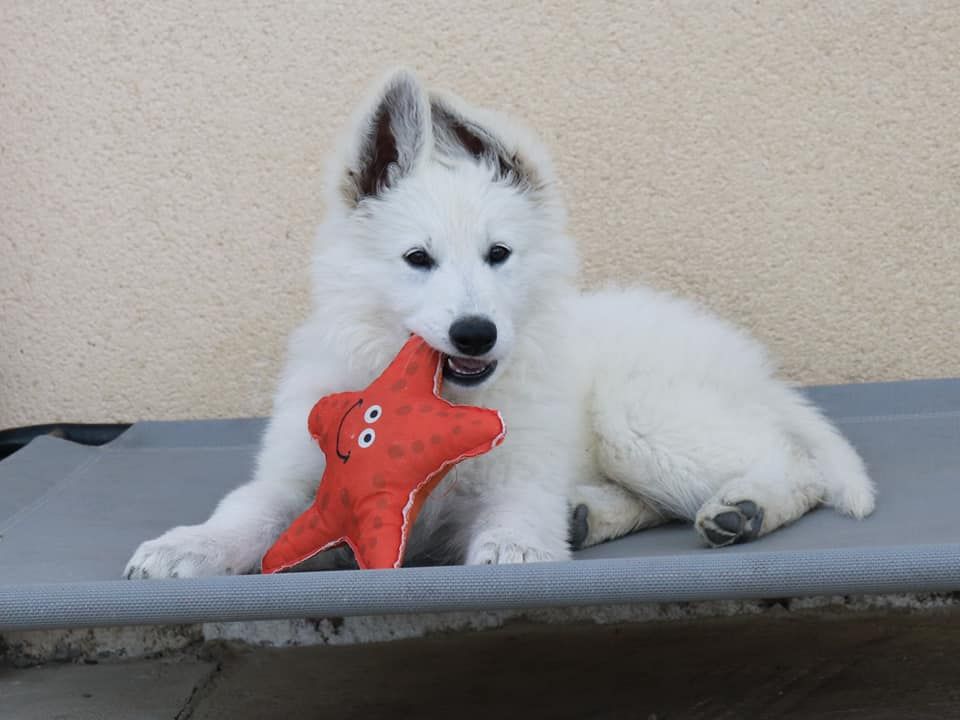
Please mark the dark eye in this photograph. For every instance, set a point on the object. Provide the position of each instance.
(420, 259)
(498, 254)
(366, 438)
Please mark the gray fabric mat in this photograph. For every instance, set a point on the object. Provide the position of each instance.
(70, 516)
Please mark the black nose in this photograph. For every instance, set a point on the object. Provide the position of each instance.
(473, 335)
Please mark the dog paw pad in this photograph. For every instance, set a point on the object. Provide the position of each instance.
(721, 525)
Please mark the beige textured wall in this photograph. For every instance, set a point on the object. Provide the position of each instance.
(795, 166)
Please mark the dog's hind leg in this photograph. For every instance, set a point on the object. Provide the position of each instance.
(605, 511)
(808, 462)
(705, 455)
(773, 493)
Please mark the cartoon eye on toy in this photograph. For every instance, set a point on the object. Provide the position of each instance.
(372, 414)
(366, 437)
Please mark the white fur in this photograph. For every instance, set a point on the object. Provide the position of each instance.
(637, 404)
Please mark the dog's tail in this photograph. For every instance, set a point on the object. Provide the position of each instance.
(847, 486)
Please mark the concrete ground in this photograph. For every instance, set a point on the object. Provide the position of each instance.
(874, 665)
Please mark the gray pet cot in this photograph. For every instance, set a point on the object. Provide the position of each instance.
(70, 516)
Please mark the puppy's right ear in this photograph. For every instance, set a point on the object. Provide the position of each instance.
(388, 140)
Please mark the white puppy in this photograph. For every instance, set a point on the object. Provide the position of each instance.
(630, 406)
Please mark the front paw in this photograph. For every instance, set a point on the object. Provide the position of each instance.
(506, 549)
(186, 551)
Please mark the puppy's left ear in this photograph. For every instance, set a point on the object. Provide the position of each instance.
(389, 139)
(484, 137)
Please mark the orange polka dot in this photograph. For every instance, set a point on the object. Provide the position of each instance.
(313, 522)
(379, 481)
(425, 408)
(345, 497)
(298, 528)
(443, 414)
(457, 429)
(378, 522)
(417, 446)
(413, 368)
(458, 415)
(382, 504)
(396, 451)
(324, 501)
(372, 542)
(404, 410)
(399, 385)
(477, 422)
(436, 439)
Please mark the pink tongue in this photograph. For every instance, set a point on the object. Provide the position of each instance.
(465, 365)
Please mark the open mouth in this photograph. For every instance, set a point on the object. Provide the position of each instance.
(467, 371)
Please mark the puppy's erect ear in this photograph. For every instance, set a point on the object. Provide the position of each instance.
(389, 140)
(458, 130)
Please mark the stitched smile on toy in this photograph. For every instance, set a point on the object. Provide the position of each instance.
(467, 371)
(368, 435)
(350, 409)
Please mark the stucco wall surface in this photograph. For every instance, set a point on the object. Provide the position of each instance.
(794, 166)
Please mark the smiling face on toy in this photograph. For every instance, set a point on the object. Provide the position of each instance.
(349, 427)
(357, 431)
(380, 426)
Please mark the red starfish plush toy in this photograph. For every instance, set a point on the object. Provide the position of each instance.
(387, 447)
